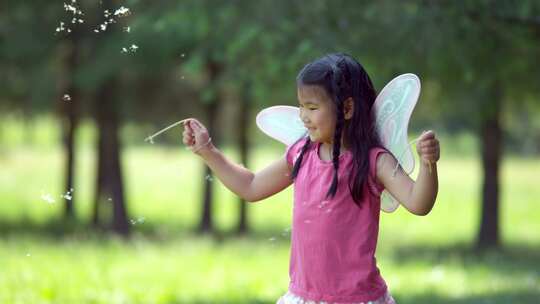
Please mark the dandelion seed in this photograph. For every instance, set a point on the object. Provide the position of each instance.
(124, 50)
(183, 55)
(66, 97)
(61, 28)
(285, 232)
(103, 26)
(73, 8)
(122, 11)
(134, 47)
(137, 221)
(96, 31)
(70, 8)
(67, 196)
(48, 198)
(127, 29)
(109, 199)
(80, 21)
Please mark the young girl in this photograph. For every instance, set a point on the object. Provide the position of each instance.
(339, 171)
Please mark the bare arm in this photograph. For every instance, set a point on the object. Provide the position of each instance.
(416, 196)
(244, 183)
(248, 185)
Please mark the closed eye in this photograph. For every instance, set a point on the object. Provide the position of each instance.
(309, 108)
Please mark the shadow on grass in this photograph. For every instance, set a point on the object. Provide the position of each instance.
(496, 297)
(60, 228)
(513, 297)
(505, 260)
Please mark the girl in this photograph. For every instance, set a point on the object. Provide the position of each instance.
(339, 171)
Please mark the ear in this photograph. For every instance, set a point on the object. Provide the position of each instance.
(348, 108)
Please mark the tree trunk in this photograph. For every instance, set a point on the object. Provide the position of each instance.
(206, 223)
(69, 100)
(109, 183)
(491, 158)
(69, 127)
(242, 128)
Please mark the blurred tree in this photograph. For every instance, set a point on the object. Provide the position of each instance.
(28, 58)
(109, 182)
(482, 55)
(69, 93)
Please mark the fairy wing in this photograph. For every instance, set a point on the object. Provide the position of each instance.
(392, 111)
(281, 123)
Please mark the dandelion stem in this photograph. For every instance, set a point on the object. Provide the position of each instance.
(149, 138)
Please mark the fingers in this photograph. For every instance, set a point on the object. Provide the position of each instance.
(429, 143)
(197, 126)
(193, 130)
(427, 135)
(188, 139)
(428, 146)
(427, 139)
(188, 136)
(193, 124)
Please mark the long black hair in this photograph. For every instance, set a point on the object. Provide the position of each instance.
(342, 77)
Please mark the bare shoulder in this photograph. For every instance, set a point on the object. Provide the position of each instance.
(386, 162)
(394, 179)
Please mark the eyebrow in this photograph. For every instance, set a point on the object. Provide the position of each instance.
(309, 102)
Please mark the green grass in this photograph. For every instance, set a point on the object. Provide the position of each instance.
(423, 259)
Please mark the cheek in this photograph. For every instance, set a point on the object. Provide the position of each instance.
(326, 128)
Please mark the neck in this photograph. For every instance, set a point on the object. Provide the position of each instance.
(328, 149)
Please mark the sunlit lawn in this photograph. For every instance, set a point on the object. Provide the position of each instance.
(423, 259)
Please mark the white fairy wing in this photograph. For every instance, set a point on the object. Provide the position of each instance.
(281, 123)
(392, 111)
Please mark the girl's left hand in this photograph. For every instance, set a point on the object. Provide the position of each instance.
(428, 147)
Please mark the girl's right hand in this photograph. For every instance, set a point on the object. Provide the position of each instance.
(196, 136)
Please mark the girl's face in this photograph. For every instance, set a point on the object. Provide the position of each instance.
(317, 112)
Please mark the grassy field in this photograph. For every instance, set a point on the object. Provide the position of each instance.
(423, 259)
